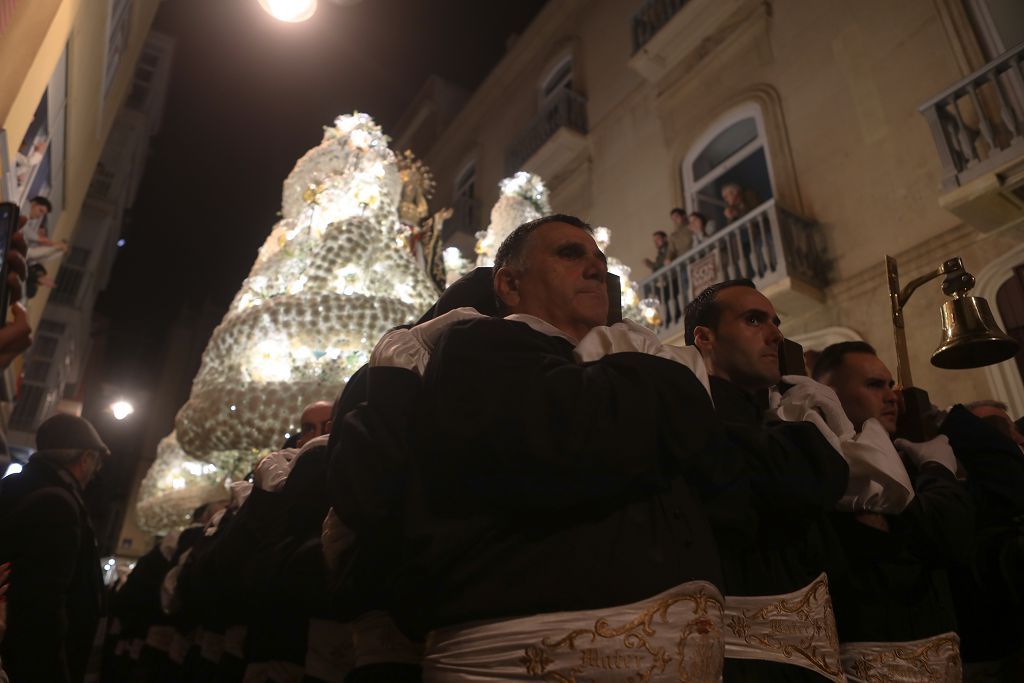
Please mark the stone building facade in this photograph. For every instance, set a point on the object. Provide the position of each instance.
(629, 108)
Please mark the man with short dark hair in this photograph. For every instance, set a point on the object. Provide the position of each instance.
(795, 474)
(40, 247)
(560, 473)
(56, 585)
(900, 530)
(663, 254)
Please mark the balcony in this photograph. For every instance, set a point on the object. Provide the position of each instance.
(978, 129)
(649, 19)
(668, 32)
(553, 139)
(782, 253)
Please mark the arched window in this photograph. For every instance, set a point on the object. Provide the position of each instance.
(558, 80)
(1010, 302)
(732, 151)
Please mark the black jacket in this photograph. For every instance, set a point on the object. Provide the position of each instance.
(522, 460)
(55, 593)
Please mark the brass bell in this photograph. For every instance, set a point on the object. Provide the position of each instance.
(971, 338)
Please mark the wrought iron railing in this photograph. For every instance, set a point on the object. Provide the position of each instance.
(565, 110)
(978, 124)
(649, 19)
(766, 245)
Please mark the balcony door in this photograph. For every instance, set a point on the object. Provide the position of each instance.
(732, 150)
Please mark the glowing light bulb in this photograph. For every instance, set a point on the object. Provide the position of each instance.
(121, 409)
(291, 11)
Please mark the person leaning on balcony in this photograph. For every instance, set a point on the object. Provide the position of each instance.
(603, 457)
(680, 240)
(903, 522)
(699, 227)
(795, 474)
(664, 254)
(738, 202)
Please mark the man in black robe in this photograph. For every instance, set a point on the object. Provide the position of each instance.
(532, 484)
(796, 477)
(896, 587)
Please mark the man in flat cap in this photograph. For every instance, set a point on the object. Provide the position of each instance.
(55, 586)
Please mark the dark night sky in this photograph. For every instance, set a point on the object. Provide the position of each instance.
(248, 96)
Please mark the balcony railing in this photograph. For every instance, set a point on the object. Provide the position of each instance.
(649, 19)
(566, 110)
(978, 123)
(767, 245)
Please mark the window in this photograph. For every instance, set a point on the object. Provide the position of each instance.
(558, 81)
(1010, 302)
(119, 26)
(465, 216)
(731, 151)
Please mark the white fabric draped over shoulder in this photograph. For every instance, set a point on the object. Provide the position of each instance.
(878, 480)
(628, 336)
(411, 348)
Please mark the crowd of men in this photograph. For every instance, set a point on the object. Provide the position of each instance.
(515, 489)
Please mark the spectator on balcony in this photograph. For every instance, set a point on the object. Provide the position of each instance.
(664, 254)
(700, 228)
(40, 246)
(738, 202)
(680, 240)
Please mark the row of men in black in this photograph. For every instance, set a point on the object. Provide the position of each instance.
(480, 472)
(490, 474)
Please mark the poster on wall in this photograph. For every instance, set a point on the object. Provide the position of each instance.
(704, 271)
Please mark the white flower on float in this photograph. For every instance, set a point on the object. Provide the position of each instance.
(269, 362)
(178, 483)
(298, 285)
(347, 280)
(603, 237)
(360, 139)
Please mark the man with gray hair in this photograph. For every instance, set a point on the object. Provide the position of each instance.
(56, 586)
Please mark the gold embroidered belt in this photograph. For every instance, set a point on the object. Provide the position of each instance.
(930, 660)
(797, 628)
(674, 636)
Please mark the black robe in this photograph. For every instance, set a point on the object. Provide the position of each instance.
(796, 478)
(532, 484)
(988, 590)
(895, 586)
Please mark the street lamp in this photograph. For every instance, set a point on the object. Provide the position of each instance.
(292, 11)
(121, 409)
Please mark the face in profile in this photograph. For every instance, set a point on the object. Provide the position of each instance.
(561, 282)
(866, 389)
(744, 346)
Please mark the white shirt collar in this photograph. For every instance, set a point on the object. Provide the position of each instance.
(542, 326)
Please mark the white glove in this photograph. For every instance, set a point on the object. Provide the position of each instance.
(240, 491)
(411, 348)
(878, 480)
(334, 538)
(629, 336)
(272, 471)
(936, 450)
(807, 399)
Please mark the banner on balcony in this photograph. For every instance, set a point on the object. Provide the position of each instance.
(704, 271)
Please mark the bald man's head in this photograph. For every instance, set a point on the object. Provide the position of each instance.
(316, 421)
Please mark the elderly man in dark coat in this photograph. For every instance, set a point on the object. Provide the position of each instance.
(56, 586)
